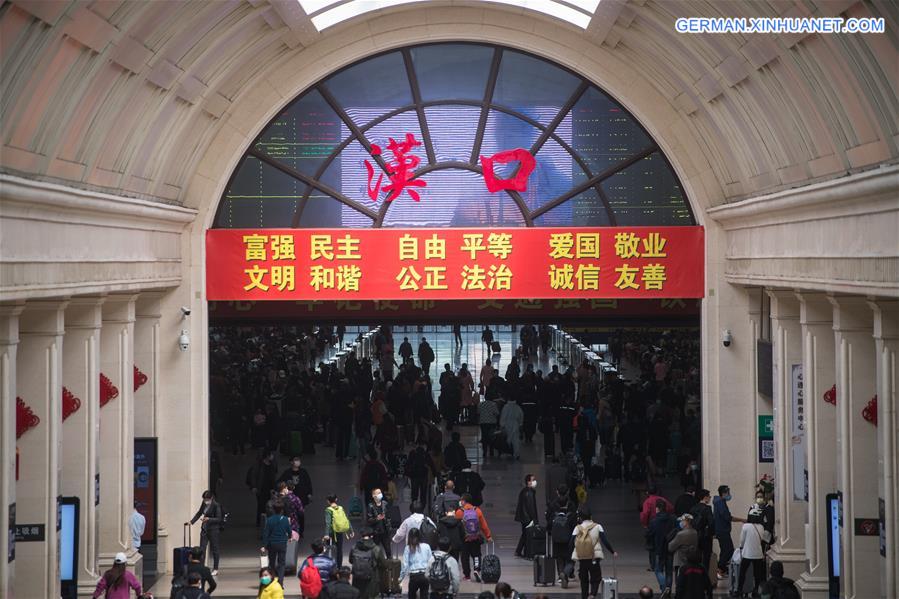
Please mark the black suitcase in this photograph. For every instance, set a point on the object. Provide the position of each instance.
(390, 578)
(491, 568)
(535, 541)
(180, 555)
(495, 347)
(545, 567)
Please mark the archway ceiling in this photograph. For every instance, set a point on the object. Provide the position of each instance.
(127, 96)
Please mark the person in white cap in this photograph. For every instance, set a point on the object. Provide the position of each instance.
(117, 582)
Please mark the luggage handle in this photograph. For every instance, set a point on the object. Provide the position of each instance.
(491, 547)
(186, 536)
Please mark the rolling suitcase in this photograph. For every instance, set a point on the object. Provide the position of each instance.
(734, 579)
(495, 347)
(390, 577)
(545, 567)
(535, 540)
(180, 555)
(610, 584)
(291, 558)
(491, 568)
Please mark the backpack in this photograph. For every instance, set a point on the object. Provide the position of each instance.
(179, 582)
(428, 531)
(785, 590)
(363, 564)
(470, 524)
(439, 575)
(339, 522)
(560, 530)
(583, 543)
(310, 580)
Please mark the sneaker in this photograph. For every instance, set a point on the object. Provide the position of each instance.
(215, 572)
(564, 582)
(721, 575)
(466, 578)
(477, 576)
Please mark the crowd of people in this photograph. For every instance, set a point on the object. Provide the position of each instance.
(270, 395)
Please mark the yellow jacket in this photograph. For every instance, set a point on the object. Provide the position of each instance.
(272, 591)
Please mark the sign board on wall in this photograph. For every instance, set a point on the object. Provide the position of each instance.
(145, 483)
(766, 438)
(797, 435)
(454, 264)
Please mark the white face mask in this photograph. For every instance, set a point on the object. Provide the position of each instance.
(379, 497)
(533, 484)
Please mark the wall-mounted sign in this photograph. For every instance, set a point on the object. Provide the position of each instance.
(867, 527)
(29, 533)
(145, 484)
(797, 434)
(766, 426)
(455, 264)
(11, 535)
(766, 451)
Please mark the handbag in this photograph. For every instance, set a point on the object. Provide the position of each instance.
(263, 560)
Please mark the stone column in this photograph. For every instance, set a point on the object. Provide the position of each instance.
(886, 335)
(79, 458)
(117, 430)
(856, 444)
(791, 512)
(818, 358)
(9, 341)
(39, 384)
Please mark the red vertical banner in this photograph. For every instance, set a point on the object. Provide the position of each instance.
(455, 264)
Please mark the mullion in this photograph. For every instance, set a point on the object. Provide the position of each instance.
(584, 186)
(485, 105)
(613, 220)
(566, 108)
(416, 98)
(292, 172)
(354, 129)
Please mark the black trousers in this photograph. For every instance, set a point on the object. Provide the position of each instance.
(383, 539)
(590, 573)
(486, 433)
(521, 549)
(471, 557)
(210, 538)
(758, 573)
(419, 487)
(418, 585)
(562, 555)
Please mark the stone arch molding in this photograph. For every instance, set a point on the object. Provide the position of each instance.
(159, 101)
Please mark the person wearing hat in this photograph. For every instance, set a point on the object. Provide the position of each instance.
(685, 541)
(117, 582)
(752, 536)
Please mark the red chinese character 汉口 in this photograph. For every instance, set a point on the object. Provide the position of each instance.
(400, 171)
(519, 182)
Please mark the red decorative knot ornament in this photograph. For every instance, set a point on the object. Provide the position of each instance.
(140, 379)
(108, 391)
(830, 396)
(25, 418)
(869, 412)
(70, 403)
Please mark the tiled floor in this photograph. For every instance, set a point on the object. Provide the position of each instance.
(613, 506)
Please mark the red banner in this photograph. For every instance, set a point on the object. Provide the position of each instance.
(454, 264)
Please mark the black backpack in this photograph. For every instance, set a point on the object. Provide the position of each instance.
(428, 532)
(363, 564)
(560, 529)
(439, 575)
(179, 582)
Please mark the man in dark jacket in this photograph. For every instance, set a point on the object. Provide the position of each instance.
(777, 586)
(379, 521)
(469, 481)
(425, 355)
(405, 349)
(261, 479)
(368, 560)
(195, 565)
(561, 514)
(526, 512)
(703, 523)
(192, 590)
(685, 502)
(418, 466)
(446, 502)
(454, 454)
(211, 514)
(661, 525)
(340, 588)
(693, 579)
(301, 480)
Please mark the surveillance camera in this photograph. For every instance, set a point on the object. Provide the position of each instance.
(185, 310)
(726, 337)
(183, 340)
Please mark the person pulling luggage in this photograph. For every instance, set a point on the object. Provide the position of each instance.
(475, 529)
(589, 540)
(526, 514)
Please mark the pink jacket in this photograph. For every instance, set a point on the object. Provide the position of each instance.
(123, 591)
(649, 509)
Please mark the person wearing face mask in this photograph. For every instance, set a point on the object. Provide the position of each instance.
(723, 522)
(683, 544)
(269, 587)
(703, 524)
(210, 514)
(378, 521)
(763, 503)
(526, 513)
(298, 475)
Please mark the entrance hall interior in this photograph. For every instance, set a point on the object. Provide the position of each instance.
(275, 373)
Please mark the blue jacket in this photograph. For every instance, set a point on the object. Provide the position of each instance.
(722, 516)
(324, 564)
(276, 531)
